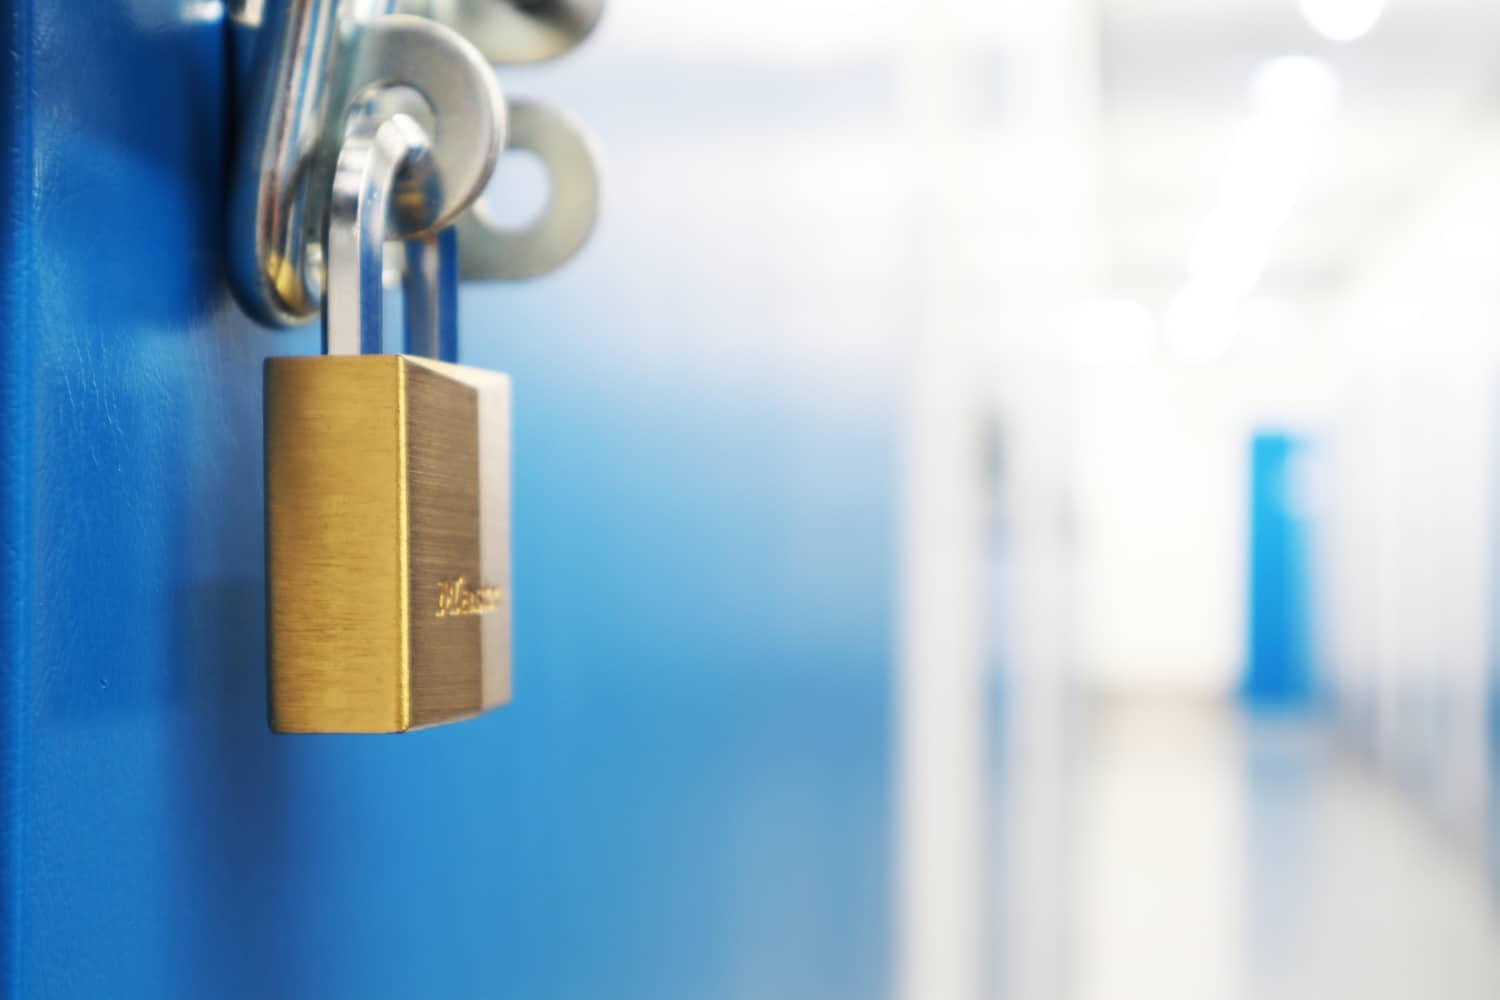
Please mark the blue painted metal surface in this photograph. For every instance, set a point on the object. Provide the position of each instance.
(1279, 665)
(689, 797)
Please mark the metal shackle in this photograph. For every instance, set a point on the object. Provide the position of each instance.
(382, 163)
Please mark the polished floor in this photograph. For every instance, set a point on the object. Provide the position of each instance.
(1215, 856)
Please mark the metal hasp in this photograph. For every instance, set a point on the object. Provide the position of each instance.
(309, 68)
(320, 65)
(511, 32)
(489, 251)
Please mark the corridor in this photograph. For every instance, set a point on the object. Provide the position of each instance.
(1223, 856)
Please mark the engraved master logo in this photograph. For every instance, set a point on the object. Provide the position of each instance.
(456, 598)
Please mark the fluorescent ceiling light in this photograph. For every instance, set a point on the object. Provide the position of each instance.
(1295, 89)
(1112, 332)
(1342, 20)
(1201, 325)
(1231, 255)
(1292, 96)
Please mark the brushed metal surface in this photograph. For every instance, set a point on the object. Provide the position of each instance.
(387, 542)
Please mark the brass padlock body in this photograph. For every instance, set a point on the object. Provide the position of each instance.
(387, 542)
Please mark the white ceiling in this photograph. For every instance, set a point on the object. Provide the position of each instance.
(1175, 78)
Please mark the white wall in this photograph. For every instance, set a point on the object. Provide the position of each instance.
(1161, 485)
(1001, 251)
(1161, 472)
(1409, 554)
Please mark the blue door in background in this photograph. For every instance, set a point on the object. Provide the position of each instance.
(690, 794)
(1279, 671)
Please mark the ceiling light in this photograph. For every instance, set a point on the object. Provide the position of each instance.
(1292, 96)
(1201, 325)
(1342, 20)
(1112, 332)
(1232, 252)
(1295, 89)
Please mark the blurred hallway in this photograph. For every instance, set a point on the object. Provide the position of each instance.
(960, 413)
(1217, 855)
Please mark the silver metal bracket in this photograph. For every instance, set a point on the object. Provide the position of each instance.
(513, 32)
(321, 65)
(318, 67)
(489, 251)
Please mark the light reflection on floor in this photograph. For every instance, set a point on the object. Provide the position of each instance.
(1219, 857)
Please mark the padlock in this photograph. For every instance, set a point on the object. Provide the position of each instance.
(387, 494)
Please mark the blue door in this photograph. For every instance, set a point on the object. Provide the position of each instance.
(1279, 667)
(689, 796)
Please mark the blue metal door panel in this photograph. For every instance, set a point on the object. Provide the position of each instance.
(688, 797)
(1279, 667)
